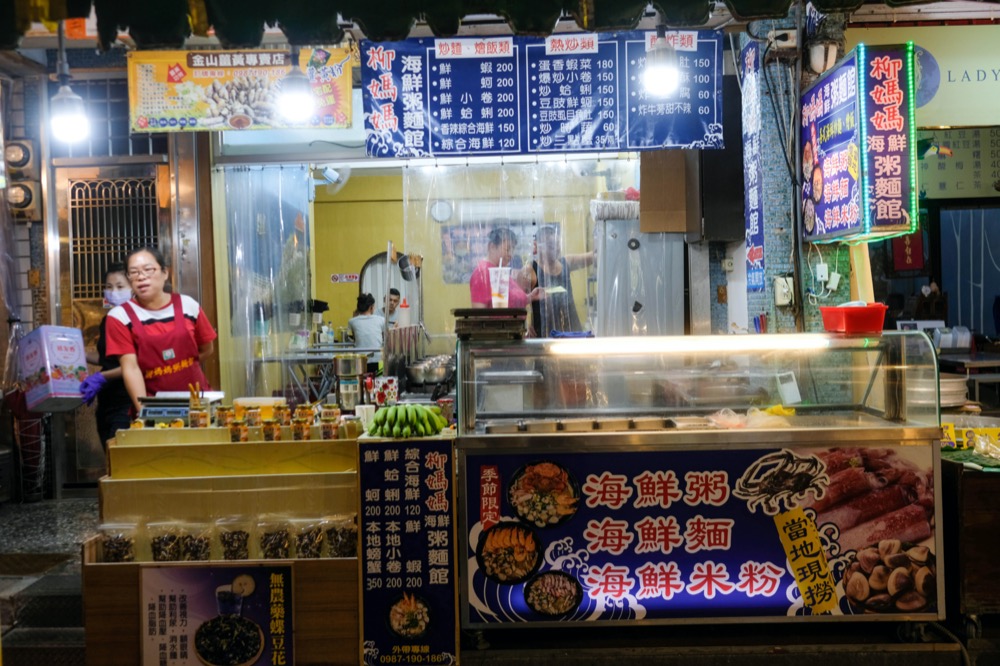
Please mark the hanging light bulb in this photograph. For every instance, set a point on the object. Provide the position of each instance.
(661, 76)
(67, 110)
(296, 102)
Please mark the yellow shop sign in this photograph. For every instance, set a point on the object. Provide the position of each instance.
(184, 91)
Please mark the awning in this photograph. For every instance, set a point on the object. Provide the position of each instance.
(165, 24)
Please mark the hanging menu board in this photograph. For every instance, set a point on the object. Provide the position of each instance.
(960, 163)
(518, 95)
(858, 138)
(408, 574)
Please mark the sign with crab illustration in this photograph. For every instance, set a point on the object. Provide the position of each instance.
(611, 536)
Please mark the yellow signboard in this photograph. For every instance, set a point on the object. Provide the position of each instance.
(807, 560)
(958, 84)
(184, 91)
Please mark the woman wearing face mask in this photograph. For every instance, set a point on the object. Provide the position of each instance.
(112, 412)
(160, 338)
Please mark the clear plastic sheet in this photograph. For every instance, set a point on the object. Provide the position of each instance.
(270, 301)
(542, 208)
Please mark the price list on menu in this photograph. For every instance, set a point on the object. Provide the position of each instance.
(573, 93)
(407, 533)
(524, 95)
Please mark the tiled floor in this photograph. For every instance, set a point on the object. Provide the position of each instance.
(50, 526)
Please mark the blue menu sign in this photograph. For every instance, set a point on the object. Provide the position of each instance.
(407, 533)
(753, 181)
(858, 138)
(521, 95)
(621, 535)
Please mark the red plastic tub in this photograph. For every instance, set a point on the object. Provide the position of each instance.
(854, 319)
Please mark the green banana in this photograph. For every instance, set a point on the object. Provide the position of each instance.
(372, 428)
(390, 416)
(406, 432)
(397, 431)
(420, 430)
(435, 408)
(379, 417)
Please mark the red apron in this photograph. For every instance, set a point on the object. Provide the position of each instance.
(169, 362)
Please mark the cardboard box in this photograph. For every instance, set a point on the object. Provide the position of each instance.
(52, 365)
(663, 182)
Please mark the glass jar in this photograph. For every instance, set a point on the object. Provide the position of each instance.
(271, 430)
(328, 427)
(350, 427)
(198, 418)
(301, 429)
(253, 417)
(329, 412)
(224, 416)
(305, 412)
(283, 415)
(238, 431)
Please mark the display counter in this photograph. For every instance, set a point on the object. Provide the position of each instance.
(200, 535)
(694, 479)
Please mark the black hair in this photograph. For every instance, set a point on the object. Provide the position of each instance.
(157, 255)
(365, 302)
(500, 234)
(393, 291)
(116, 267)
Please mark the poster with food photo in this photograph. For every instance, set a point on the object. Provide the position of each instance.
(217, 615)
(665, 535)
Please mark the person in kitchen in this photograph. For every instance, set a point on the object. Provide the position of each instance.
(366, 328)
(106, 385)
(499, 253)
(159, 337)
(389, 313)
(557, 312)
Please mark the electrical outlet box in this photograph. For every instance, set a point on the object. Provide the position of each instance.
(728, 265)
(833, 281)
(783, 39)
(822, 272)
(783, 291)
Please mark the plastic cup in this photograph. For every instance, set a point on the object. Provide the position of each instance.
(500, 286)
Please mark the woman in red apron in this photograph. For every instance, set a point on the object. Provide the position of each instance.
(159, 337)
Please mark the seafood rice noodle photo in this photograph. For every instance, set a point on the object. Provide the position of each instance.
(409, 617)
(543, 494)
(508, 553)
(553, 593)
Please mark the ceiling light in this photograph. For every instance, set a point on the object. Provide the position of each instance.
(296, 101)
(661, 76)
(67, 111)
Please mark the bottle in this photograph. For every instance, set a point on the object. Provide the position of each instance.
(403, 314)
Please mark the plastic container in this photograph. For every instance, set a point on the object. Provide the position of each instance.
(854, 319)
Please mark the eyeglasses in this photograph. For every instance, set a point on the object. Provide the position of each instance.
(145, 270)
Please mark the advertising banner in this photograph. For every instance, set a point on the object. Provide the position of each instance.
(753, 179)
(959, 163)
(409, 582)
(858, 141)
(956, 76)
(522, 95)
(222, 614)
(177, 91)
(661, 535)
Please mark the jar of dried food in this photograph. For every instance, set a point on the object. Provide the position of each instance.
(253, 417)
(283, 415)
(238, 431)
(271, 430)
(224, 416)
(198, 418)
(328, 427)
(350, 427)
(301, 428)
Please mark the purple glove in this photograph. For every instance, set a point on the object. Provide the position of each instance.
(91, 386)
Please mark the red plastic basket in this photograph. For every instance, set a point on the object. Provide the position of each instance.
(857, 319)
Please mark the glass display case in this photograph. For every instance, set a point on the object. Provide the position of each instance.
(674, 382)
(699, 479)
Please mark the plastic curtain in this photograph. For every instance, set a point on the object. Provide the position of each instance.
(271, 304)
(541, 210)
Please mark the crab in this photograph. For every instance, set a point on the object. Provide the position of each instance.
(781, 479)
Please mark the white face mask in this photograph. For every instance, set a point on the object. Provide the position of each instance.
(117, 296)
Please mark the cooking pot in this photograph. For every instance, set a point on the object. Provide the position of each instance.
(416, 373)
(351, 365)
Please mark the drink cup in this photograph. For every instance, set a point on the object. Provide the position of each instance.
(500, 286)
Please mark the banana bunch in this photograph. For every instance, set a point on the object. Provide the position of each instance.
(404, 421)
